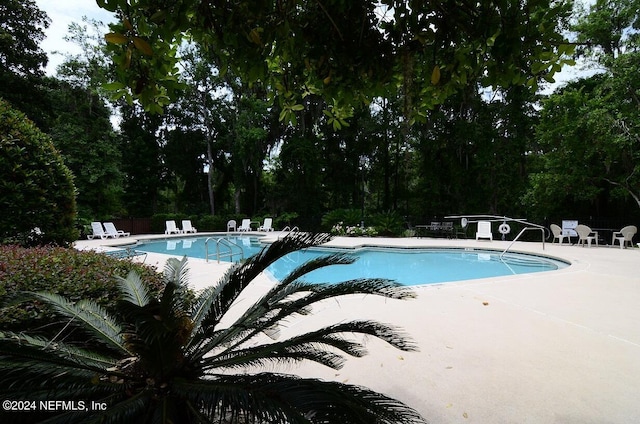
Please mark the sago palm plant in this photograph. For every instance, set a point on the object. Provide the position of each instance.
(173, 359)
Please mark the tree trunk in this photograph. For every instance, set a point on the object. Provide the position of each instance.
(210, 178)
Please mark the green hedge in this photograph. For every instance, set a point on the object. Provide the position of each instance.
(37, 195)
(69, 272)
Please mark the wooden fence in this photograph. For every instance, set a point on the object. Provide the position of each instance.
(133, 225)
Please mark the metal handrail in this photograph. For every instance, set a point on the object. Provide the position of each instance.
(226, 243)
(522, 232)
(496, 218)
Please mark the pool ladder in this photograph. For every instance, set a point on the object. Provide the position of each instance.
(227, 245)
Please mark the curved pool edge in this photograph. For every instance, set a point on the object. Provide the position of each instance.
(576, 257)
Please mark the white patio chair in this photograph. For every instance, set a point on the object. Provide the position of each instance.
(484, 230)
(171, 228)
(266, 226)
(625, 236)
(110, 229)
(231, 225)
(187, 227)
(558, 234)
(246, 225)
(98, 231)
(586, 234)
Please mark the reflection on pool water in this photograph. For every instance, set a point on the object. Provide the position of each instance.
(407, 266)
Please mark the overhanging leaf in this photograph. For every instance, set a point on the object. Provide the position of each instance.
(115, 38)
(435, 75)
(143, 46)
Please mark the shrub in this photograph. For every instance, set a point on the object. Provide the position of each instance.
(69, 272)
(285, 219)
(352, 230)
(211, 223)
(388, 223)
(348, 217)
(38, 196)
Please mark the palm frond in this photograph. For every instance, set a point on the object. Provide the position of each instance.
(268, 355)
(119, 410)
(176, 275)
(154, 334)
(269, 312)
(286, 399)
(134, 289)
(176, 270)
(89, 316)
(208, 299)
(261, 308)
(236, 281)
(308, 294)
(28, 368)
(206, 309)
(80, 356)
(315, 264)
(313, 346)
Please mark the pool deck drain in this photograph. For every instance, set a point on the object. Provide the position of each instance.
(549, 347)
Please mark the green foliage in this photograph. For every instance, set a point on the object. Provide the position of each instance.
(589, 138)
(22, 26)
(141, 161)
(349, 56)
(38, 195)
(388, 223)
(211, 223)
(166, 359)
(285, 219)
(607, 29)
(82, 132)
(347, 217)
(76, 275)
(22, 59)
(340, 229)
(299, 176)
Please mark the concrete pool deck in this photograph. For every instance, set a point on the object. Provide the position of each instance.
(549, 347)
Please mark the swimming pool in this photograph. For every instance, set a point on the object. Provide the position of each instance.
(409, 266)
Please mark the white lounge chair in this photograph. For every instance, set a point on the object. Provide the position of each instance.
(171, 228)
(484, 230)
(111, 230)
(266, 226)
(187, 227)
(625, 236)
(246, 225)
(558, 234)
(98, 231)
(586, 234)
(231, 225)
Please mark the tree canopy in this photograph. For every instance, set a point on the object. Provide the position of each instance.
(346, 52)
(22, 27)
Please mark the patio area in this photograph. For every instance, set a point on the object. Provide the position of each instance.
(551, 347)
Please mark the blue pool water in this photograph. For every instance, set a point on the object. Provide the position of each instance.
(407, 266)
